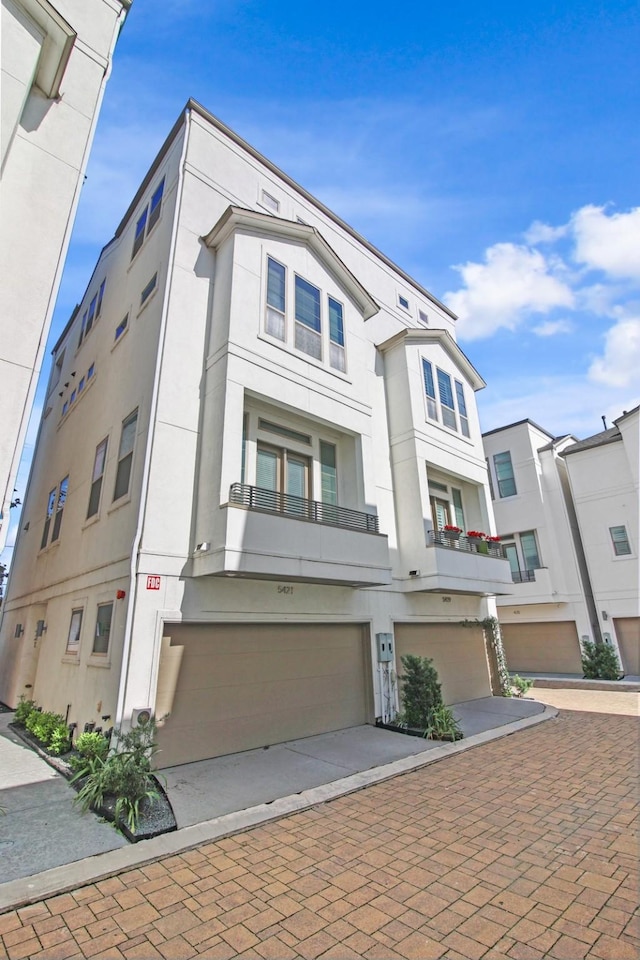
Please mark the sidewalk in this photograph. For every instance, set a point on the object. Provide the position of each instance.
(482, 722)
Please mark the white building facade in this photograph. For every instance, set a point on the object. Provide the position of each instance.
(256, 431)
(56, 60)
(559, 505)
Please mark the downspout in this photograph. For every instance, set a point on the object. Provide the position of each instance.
(135, 548)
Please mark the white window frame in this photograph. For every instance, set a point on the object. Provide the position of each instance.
(622, 541)
(436, 410)
(148, 218)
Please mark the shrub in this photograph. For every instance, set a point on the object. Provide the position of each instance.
(421, 691)
(600, 661)
(521, 685)
(91, 745)
(49, 729)
(443, 724)
(24, 709)
(124, 775)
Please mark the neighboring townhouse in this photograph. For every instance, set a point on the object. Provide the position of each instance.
(256, 430)
(567, 515)
(603, 479)
(56, 60)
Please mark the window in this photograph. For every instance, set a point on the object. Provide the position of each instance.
(125, 455)
(307, 313)
(62, 499)
(328, 473)
(91, 371)
(81, 385)
(336, 335)
(73, 640)
(103, 629)
(47, 523)
(620, 540)
(429, 389)
(276, 286)
(100, 298)
(148, 290)
(447, 407)
(148, 218)
(530, 553)
(458, 512)
(92, 313)
(96, 478)
(404, 303)
(270, 202)
(122, 326)
(423, 317)
(504, 474)
(283, 472)
(318, 327)
(462, 409)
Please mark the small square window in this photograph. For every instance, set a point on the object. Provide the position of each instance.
(620, 540)
(270, 202)
(403, 302)
(423, 317)
(148, 290)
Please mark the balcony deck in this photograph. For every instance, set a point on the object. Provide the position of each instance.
(265, 534)
(460, 564)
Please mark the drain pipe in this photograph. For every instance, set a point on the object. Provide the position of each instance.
(135, 547)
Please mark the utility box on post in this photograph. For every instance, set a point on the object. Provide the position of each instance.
(384, 642)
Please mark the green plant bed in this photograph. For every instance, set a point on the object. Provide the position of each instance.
(421, 732)
(155, 814)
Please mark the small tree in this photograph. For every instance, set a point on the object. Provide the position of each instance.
(421, 691)
(600, 661)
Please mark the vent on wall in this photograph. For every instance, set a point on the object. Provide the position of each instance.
(141, 716)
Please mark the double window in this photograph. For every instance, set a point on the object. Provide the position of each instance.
(448, 403)
(285, 476)
(148, 218)
(504, 474)
(125, 455)
(318, 324)
(521, 550)
(445, 511)
(92, 312)
(55, 508)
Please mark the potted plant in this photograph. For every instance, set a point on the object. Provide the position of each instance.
(479, 540)
(451, 531)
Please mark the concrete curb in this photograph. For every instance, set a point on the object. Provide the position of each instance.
(50, 883)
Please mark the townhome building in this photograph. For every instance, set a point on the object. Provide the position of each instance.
(56, 60)
(257, 430)
(567, 514)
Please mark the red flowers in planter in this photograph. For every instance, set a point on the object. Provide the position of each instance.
(451, 528)
(477, 534)
(493, 539)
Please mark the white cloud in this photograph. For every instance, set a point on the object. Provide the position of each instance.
(549, 328)
(620, 362)
(608, 242)
(540, 232)
(513, 281)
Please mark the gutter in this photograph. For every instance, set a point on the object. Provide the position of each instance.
(135, 548)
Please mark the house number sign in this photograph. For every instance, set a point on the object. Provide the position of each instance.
(153, 583)
(285, 588)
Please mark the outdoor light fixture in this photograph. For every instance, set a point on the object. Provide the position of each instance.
(41, 628)
(19, 630)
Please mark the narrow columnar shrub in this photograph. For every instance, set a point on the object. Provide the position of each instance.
(421, 691)
(600, 661)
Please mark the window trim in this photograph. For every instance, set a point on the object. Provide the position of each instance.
(97, 480)
(512, 478)
(103, 654)
(148, 218)
(131, 418)
(75, 652)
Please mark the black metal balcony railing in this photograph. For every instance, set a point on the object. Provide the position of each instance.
(258, 498)
(523, 576)
(440, 538)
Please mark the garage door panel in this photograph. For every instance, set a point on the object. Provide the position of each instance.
(551, 647)
(628, 634)
(458, 654)
(236, 687)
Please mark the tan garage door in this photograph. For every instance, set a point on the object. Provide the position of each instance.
(628, 634)
(234, 687)
(458, 654)
(542, 647)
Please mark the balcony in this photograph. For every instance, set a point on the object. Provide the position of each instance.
(523, 576)
(264, 534)
(459, 564)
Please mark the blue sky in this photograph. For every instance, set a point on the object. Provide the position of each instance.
(490, 149)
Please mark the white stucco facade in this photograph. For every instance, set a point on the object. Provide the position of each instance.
(56, 59)
(563, 508)
(284, 465)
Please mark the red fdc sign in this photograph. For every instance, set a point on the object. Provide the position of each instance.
(153, 583)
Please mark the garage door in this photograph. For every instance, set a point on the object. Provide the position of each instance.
(628, 634)
(542, 647)
(234, 687)
(458, 654)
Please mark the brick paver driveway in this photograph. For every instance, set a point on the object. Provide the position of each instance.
(521, 848)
